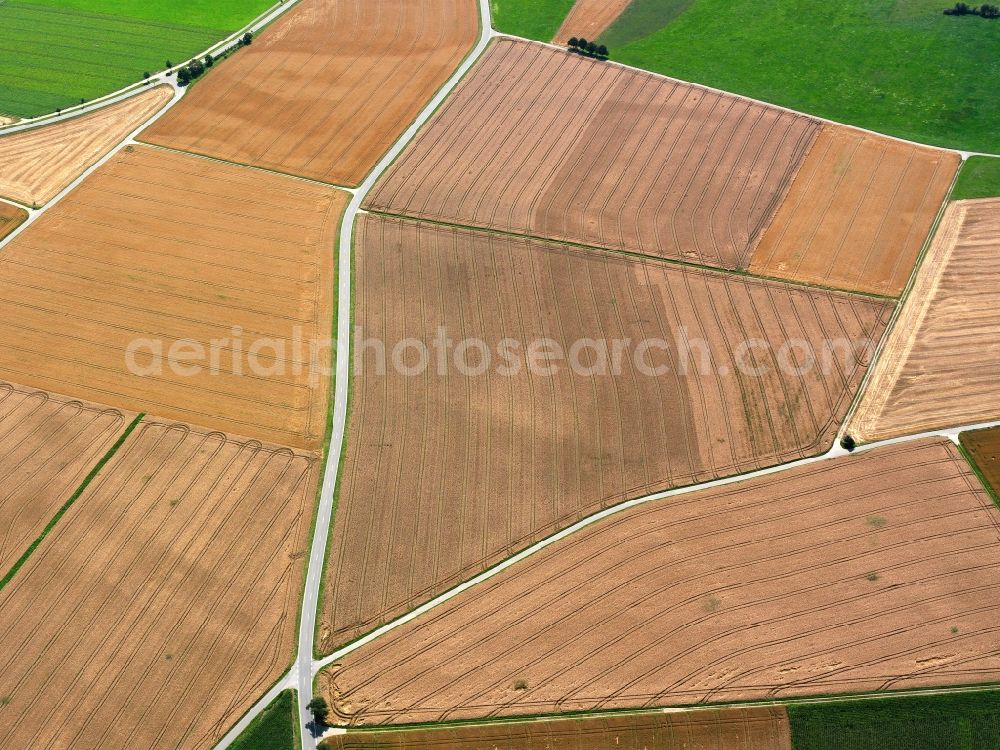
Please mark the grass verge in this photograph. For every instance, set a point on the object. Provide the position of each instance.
(275, 728)
(72, 499)
(979, 178)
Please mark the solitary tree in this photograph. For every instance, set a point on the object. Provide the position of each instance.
(319, 709)
(169, 64)
(247, 38)
(847, 443)
(146, 75)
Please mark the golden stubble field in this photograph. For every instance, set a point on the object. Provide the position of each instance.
(165, 601)
(121, 292)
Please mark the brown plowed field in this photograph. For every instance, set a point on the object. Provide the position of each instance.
(857, 213)
(542, 142)
(170, 247)
(939, 366)
(870, 572)
(48, 444)
(446, 474)
(589, 19)
(164, 602)
(327, 89)
(764, 728)
(11, 217)
(984, 447)
(36, 164)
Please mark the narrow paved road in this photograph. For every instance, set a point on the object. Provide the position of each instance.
(303, 669)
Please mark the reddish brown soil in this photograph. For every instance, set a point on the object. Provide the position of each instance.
(445, 474)
(164, 602)
(36, 164)
(589, 19)
(542, 142)
(857, 213)
(871, 572)
(327, 89)
(48, 444)
(764, 728)
(11, 217)
(939, 366)
(984, 447)
(170, 247)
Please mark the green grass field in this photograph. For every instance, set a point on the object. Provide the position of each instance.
(273, 729)
(55, 52)
(895, 66)
(534, 19)
(968, 721)
(979, 178)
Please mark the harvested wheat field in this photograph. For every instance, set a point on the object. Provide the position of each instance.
(48, 445)
(870, 572)
(327, 89)
(445, 474)
(36, 164)
(11, 217)
(122, 292)
(589, 19)
(984, 448)
(938, 367)
(858, 212)
(764, 728)
(542, 142)
(165, 601)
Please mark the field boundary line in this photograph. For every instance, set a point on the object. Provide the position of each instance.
(740, 272)
(835, 451)
(986, 687)
(255, 168)
(108, 455)
(901, 302)
(705, 87)
(126, 92)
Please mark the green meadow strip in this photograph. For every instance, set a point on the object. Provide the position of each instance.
(72, 499)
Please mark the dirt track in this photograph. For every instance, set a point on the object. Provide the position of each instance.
(764, 728)
(444, 475)
(164, 601)
(326, 89)
(543, 142)
(870, 572)
(168, 247)
(38, 163)
(589, 19)
(11, 217)
(984, 447)
(48, 444)
(857, 213)
(939, 367)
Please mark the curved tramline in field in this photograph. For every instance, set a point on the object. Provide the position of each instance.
(326, 89)
(48, 445)
(589, 19)
(36, 164)
(542, 142)
(870, 572)
(180, 286)
(857, 213)
(448, 470)
(164, 601)
(764, 728)
(939, 365)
